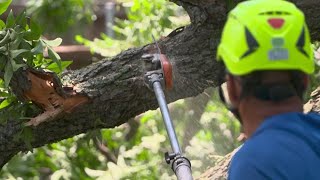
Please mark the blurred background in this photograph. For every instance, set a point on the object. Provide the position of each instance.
(95, 29)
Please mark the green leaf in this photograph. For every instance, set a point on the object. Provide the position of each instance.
(4, 5)
(2, 25)
(55, 57)
(16, 66)
(37, 61)
(3, 60)
(15, 53)
(34, 32)
(13, 35)
(5, 103)
(53, 43)
(81, 39)
(25, 45)
(4, 94)
(22, 19)
(5, 39)
(36, 29)
(38, 49)
(16, 42)
(8, 73)
(3, 32)
(27, 137)
(3, 49)
(55, 68)
(10, 20)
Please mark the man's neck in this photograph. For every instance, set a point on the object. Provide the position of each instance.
(254, 112)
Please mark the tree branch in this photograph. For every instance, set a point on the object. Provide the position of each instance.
(116, 89)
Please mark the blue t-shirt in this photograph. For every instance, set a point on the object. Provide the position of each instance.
(285, 146)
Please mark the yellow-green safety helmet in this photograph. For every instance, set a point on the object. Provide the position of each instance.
(266, 35)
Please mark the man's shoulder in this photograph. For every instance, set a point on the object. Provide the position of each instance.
(265, 146)
(280, 149)
(287, 134)
(290, 116)
(266, 157)
(288, 125)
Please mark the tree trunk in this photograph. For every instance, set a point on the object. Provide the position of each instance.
(115, 87)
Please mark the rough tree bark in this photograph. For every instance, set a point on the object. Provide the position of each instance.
(116, 89)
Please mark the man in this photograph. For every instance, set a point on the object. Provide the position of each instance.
(266, 49)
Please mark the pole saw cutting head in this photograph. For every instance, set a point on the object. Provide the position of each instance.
(158, 76)
(158, 68)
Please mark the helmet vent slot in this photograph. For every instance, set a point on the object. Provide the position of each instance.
(252, 43)
(274, 13)
(301, 43)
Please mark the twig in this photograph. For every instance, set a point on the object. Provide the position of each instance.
(104, 150)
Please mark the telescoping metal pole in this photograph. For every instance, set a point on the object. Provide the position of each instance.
(180, 165)
(166, 117)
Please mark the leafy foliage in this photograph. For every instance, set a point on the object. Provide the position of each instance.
(62, 15)
(21, 46)
(145, 18)
(3, 7)
(139, 153)
(140, 156)
(138, 150)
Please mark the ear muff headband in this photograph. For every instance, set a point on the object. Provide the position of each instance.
(224, 97)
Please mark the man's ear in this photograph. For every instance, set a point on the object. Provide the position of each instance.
(234, 91)
(306, 81)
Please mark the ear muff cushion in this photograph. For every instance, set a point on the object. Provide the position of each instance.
(223, 94)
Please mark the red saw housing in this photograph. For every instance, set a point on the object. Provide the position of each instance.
(167, 71)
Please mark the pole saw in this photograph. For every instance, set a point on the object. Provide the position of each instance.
(158, 76)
